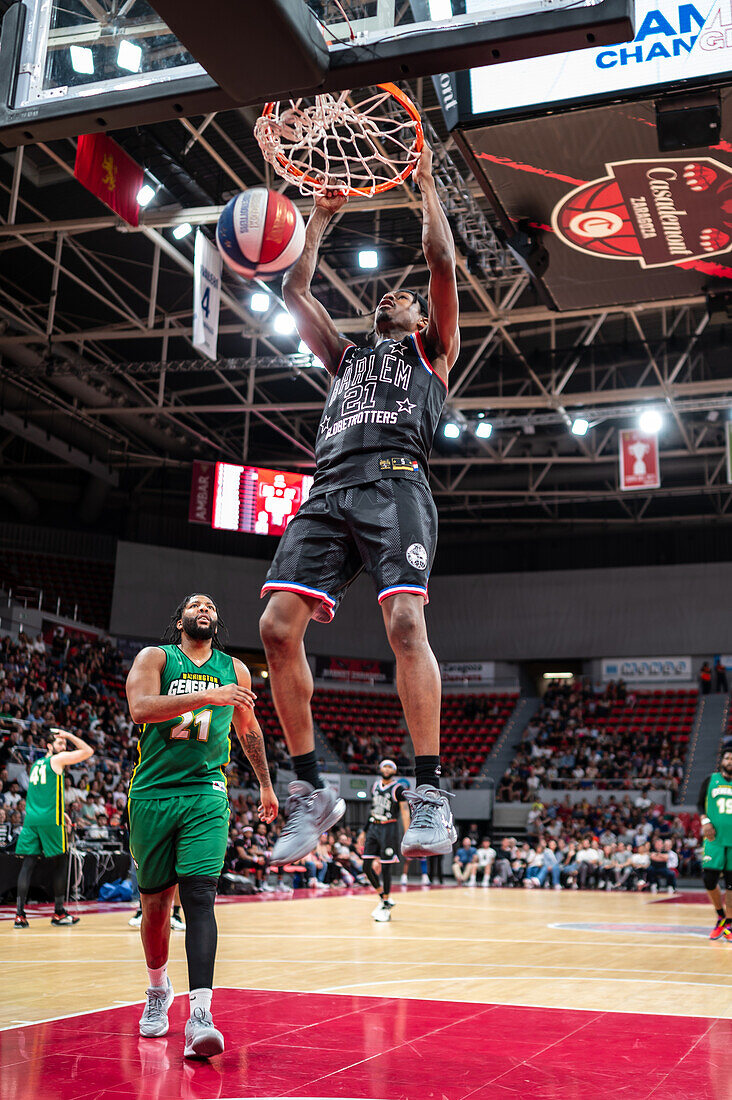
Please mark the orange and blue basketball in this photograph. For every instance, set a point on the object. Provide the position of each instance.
(260, 233)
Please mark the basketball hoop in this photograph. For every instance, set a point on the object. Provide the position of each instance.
(358, 143)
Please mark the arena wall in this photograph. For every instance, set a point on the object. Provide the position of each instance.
(589, 613)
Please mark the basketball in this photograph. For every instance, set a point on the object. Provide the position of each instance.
(260, 233)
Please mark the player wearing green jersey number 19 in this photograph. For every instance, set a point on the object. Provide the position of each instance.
(185, 695)
(715, 806)
(44, 829)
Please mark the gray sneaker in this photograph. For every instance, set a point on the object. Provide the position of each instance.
(431, 830)
(154, 1019)
(203, 1040)
(309, 813)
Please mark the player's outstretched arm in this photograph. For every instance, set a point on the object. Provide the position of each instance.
(69, 757)
(148, 705)
(251, 740)
(312, 320)
(442, 337)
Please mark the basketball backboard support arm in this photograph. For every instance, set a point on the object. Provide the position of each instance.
(212, 74)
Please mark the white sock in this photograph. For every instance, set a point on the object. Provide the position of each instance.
(200, 998)
(158, 978)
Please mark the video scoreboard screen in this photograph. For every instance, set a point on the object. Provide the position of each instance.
(252, 499)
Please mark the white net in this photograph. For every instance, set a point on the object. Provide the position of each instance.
(359, 143)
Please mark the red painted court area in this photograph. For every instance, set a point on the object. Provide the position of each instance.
(313, 1045)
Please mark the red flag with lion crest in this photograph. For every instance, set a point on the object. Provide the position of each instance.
(109, 173)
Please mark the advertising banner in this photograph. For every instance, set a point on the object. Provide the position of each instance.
(206, 295)
(471, 672)
(639, 466)
(200, 502)
(652, 670)
(352, 670)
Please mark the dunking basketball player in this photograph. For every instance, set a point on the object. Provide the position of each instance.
(44, 829)
(382, 835)
(178, 806)
(715, 806)
(370, 508)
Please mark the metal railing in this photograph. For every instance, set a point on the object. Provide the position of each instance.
(28, 596)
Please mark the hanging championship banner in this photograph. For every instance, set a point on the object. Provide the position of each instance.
(206, 295)
(728, 441)
(639, 466)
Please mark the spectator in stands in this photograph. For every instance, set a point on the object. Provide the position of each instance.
(658, 872)
(465, 865)
(720, 676)
(485, 859)
(588, 859)
(6, 829)
(503, 869)
(705, 678)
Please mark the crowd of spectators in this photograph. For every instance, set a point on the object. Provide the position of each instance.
(564, 746)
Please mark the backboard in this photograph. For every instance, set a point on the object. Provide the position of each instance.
(75, 66)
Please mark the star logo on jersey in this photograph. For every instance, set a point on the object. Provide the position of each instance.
(325, 424)
(405, 406)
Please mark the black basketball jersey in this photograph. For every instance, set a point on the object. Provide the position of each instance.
(380, 416)
(384, 805)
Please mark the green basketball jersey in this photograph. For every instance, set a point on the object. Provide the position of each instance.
(45, 795)
(719, 808)
(187, 754)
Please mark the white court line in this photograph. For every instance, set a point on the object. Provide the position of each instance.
(525, 978)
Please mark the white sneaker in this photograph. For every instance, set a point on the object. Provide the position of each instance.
(425, 880)
(670, 889)
(557, 887)
(136, 920)
(154, 1019)
(381, 913)
(404, 881)
(203, 1040)
(654, 888)
(486, 882)
(177, 924)
(472, 882)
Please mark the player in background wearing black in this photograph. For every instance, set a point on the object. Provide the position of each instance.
(715, 806)
(381, 838)
(370, 508)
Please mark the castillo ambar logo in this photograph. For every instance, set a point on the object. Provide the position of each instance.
(656, 212)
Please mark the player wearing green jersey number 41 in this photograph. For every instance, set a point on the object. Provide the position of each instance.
(185, 695)
(715, 806)
(44, 828)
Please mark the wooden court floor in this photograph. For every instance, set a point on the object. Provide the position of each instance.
(468, 994)
(497, 946)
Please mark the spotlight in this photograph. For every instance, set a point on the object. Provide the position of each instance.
(440, 10)
(368, 258)
(580, 426)
(265, 673)
(650, 421)
(259, 302)
(145, 195)
(451, 430)
(182, 231)
(484, 429)
(129, 56)
(284, 324)
(82, 60)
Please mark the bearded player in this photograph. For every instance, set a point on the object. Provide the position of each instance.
(382, 835)
(715, 806)
(178, 805)
(370, 508)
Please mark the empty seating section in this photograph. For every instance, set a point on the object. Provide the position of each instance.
(669, 713)
(75, 582)
(470, 725)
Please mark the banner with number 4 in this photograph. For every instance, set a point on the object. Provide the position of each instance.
(206, 295)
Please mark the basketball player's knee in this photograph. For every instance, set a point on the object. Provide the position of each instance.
(156, 907)
(277, 633)
(710, 879)
(406, 631)
(197, 894)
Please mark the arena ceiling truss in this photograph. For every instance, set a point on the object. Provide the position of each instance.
(99, 375)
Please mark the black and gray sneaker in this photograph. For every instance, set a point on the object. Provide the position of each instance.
(154, 1019)
(431, 830)
(203, 1040)
(309, 813)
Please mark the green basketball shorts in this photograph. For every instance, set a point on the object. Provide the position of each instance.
(171, 838)
(717, 855)
(41, 836)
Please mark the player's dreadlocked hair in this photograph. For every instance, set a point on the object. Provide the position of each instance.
(172, 633)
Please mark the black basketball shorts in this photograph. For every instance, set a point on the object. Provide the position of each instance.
(382, 842)
(387, 527)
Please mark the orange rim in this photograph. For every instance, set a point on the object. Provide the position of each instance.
(405, 102)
